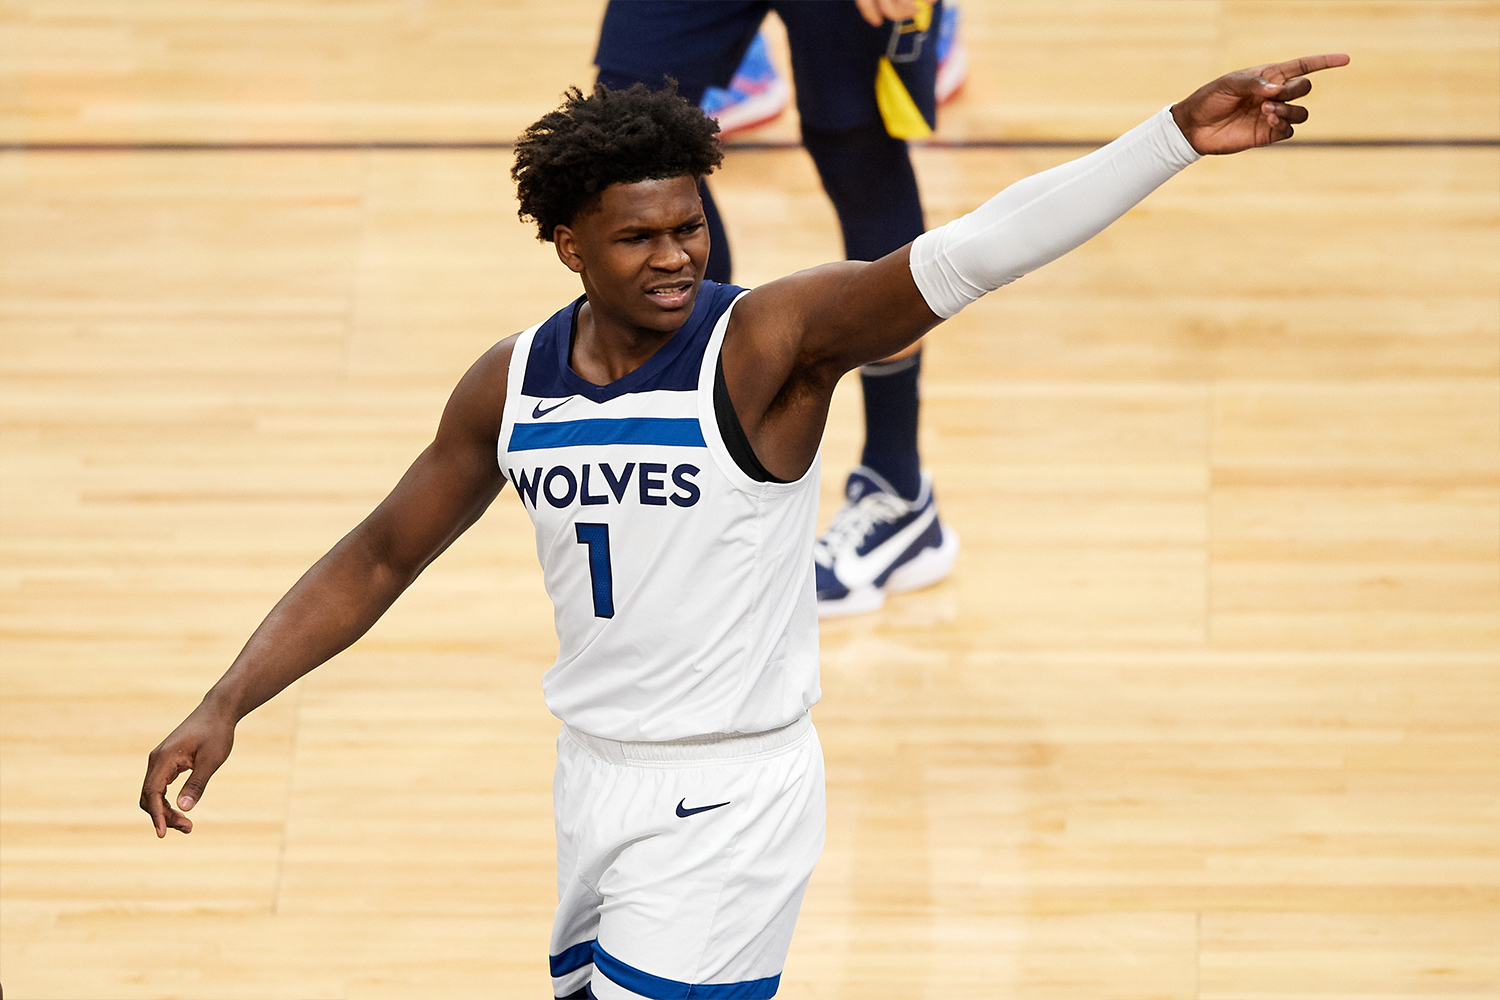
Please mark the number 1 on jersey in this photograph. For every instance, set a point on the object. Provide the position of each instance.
(596, 537)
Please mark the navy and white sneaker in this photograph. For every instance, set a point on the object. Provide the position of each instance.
(879, 542)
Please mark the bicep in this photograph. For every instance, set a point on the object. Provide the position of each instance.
(847, 314)
(439, 497)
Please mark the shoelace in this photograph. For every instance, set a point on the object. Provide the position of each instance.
(854, 521)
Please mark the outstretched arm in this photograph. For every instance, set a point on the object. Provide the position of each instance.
(1040, 218)
(792, 339)
(446, 489)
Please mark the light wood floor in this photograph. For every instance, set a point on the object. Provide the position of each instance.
(1209, 709)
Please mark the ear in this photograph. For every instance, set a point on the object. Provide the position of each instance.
(566, 245)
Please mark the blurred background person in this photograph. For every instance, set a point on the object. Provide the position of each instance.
(866, 74)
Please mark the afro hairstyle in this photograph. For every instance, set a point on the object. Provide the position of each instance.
(567, 159)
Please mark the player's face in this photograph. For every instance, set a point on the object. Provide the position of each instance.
(641, 252)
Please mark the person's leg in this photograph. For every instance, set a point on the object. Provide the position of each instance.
(697, 44)
(576, 785)
(869, 179)
(868, 175)
(887, 536)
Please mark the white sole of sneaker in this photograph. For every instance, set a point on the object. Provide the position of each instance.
(923, 571)
(930, 566)
(755, 111)
(952, 74)
(856, 602)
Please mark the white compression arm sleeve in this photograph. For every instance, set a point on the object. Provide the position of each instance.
(1042, 217)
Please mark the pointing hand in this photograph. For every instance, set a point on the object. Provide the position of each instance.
(1249, 108)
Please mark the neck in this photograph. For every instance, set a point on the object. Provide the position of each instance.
(605, 350)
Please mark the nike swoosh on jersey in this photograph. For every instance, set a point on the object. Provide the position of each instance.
(856, 570)
(538, 412)
(697, 809)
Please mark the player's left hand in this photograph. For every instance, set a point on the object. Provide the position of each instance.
(1249, 108)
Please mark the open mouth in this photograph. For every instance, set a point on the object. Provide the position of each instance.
(672, 296)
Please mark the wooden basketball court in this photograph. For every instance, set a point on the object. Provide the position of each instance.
(1210, 707)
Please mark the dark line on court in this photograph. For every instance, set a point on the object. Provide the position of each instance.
(499, 146)
(1096, 143)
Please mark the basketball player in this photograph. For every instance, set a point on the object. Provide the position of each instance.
(662, 431)
(865, 73)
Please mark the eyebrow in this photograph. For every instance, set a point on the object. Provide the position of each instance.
(635, 228)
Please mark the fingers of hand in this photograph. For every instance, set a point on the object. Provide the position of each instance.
(1303, 66)
(166, 818)
(877, 12)
(159, 777)
(1332, 60)
(898, 10)
(1292, 113)
(1295, 88)
(1280, 127)
(192, 791)
(178, 821)
(163, 816)
(204, 765)
(870, 11)
(157, 810)
(160, 773)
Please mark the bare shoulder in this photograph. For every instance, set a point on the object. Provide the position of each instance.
(493, 366)
(477, 404)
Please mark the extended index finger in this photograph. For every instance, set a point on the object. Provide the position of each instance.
(1282, 72)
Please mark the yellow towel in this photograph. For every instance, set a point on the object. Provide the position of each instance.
(897, 109)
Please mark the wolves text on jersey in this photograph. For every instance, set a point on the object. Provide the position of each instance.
(602, 484)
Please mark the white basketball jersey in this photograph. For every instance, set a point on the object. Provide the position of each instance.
(682, 588)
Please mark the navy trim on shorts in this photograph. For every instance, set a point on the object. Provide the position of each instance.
(572, 959)
(657, 988)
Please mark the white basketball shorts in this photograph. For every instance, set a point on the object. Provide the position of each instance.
(681, 865)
